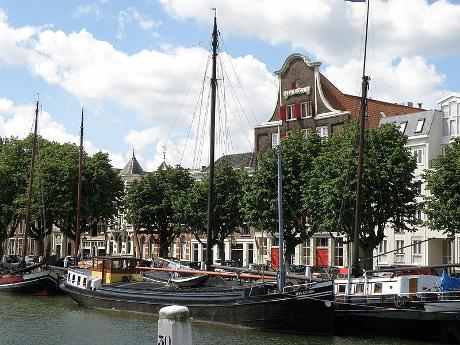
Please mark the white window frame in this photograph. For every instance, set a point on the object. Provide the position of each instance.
(383, 259)
(402, 126)
(275, 139)
(419, 155)
(303, 110)
(322, 132)
(419, 127)
(399, 254)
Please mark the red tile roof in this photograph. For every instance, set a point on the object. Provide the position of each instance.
(341, 101)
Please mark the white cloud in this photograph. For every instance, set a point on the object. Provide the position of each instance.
(132, 15)
(400, 31)
(92, 10)
(162, 87)
(17, 121)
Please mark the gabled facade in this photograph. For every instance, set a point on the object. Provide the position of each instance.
(308, 100)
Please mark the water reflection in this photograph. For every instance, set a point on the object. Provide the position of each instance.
(58, 320)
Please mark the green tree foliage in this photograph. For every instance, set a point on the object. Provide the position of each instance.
(442, 206)
(261, 198)
(14, 165)
(149, 204)
(388, 189)
(226, 212)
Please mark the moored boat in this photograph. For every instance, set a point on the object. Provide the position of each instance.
(113, 283)
(34, 280)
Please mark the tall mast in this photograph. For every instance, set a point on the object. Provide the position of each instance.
(281, 270)
(80, 169)
(359, 182)
(211, 144)
(31, 178)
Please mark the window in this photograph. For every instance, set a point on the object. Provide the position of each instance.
(383, 257)
(417, 247)
(445, 110)
(183, 249)
(418, 154)
(359, 289)
(306, 249)
(378, 287)
(419, 127)
(453, 127)
(418, 215)
(322, 131)
(306, 109)
(453, 109)
(399, 256)
(303, 109)
(342, 288)
(446, 252)
(338, 252)
(402, 127)
(289, 112)
(418, 186)
(275, 139)
(322, 242)
(195, 251)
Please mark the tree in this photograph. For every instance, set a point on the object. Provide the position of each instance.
(261, 198)
(389, 192)
(442, 205)
(55, 190)
(149, 204)
(14, 167)
(226, 216)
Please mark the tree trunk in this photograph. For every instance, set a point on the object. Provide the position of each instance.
(366, 253)
(221, 246)
(136, 243)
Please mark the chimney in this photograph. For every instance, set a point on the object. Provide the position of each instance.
(410, 104)
(420, 105)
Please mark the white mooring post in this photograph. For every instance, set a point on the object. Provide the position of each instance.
(174, 326)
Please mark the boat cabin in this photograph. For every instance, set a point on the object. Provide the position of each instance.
(403, 286)
(105, 270)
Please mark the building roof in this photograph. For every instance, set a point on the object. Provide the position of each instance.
(238, 160)
(352, 104)
(132, 167)
(423, 119)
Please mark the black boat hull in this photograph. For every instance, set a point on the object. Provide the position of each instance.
(292, 312)
(41, 283)
(402, 323)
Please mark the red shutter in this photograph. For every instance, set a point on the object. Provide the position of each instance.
(297, 110)
(293, 85)
(283, 113)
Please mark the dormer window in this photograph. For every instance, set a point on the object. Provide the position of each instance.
(402, 127)
(419, 127)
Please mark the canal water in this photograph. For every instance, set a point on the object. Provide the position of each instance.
(58, 320)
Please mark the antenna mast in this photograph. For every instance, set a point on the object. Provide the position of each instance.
(80, 171)
(211, 144)
(359, 182)
(31, 178)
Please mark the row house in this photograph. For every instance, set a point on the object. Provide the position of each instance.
(308, 100)
(428, 133)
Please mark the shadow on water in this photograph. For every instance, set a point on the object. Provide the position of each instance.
(58, 320)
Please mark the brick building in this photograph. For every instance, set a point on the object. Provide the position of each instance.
(307, 99)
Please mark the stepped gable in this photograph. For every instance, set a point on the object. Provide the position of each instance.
(132, 167)
(238, 160)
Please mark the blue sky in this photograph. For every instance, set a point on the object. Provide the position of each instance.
(137, 66)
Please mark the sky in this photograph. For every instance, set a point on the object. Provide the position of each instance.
(138, 67)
